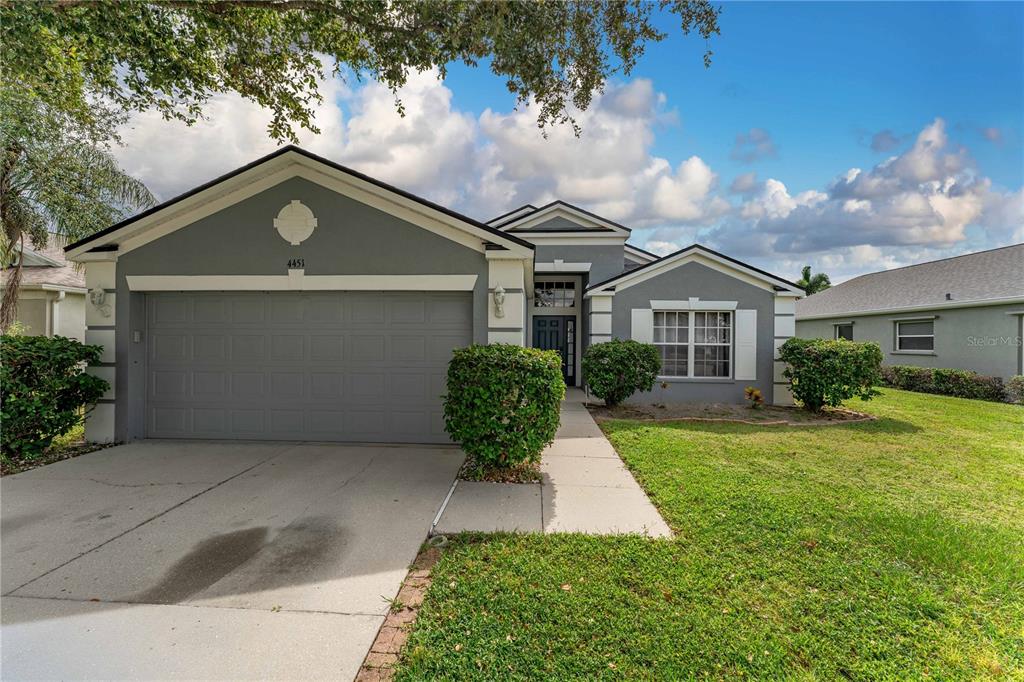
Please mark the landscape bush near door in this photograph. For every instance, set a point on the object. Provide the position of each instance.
(43, 390)
(823, 372)
(615, 370)
(503, 402)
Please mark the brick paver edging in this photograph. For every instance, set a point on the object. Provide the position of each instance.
(378, 666)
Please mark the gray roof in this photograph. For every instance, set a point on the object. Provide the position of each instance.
(994, 274)
(65, 274)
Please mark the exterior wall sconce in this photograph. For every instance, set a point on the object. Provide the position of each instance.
(98, 298)
(499, 302)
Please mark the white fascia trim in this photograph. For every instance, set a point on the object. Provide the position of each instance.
(911, 309)
(572, 239)
(52, 287)
(537, 217)
(277, 170)
(525, 210)
(694, 304)
(296, 280)
(639, 256)
(561, 266)
(695, 255)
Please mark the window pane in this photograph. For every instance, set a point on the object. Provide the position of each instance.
(914, 328)
(659, 335)
(917, 343)
(670, 335)
(659, 319)
(844, 331)
(683, 335)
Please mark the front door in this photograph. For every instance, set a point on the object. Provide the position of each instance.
(557, 332)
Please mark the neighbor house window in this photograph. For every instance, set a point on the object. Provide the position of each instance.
(844, 331)
(693, 344)
(915, 335)
(554, 294)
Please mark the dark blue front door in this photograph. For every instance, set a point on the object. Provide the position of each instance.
(558, 333)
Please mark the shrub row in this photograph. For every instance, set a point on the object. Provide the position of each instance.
(43, 390)
(959, 383)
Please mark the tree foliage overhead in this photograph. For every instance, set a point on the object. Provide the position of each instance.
(173, 55)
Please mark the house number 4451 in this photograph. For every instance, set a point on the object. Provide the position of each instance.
(296, 263)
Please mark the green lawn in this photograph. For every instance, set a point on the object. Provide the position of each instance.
(891, 549)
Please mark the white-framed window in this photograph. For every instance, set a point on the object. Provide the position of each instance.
(844, 331)
(694, 343)
(554, 294)
(915, 335)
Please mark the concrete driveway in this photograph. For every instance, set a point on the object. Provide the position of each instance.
(165, 559)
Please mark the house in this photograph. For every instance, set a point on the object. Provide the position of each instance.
(297, 299)
(51, 297)
(964, 312)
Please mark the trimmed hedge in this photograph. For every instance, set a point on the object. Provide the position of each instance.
(43, 389)
(827, 372)
(503, 402)
(959, 383)
(1015, 390)
(615, 370)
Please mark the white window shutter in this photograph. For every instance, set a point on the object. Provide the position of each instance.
(746, 345)
(642, 325)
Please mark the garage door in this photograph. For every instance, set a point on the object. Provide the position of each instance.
(332, 366)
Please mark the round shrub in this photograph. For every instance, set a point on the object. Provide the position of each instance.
(615, 370)
(43, 388)
(503, 402)
(823, 372)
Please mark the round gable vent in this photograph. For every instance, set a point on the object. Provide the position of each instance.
(295, 222)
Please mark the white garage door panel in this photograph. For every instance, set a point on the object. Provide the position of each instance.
(335, 366)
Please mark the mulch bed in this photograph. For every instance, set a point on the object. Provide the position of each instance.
(768, 415)
(527, 472)
(14, 465)
(378, 666)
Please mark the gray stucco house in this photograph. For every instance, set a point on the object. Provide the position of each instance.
(51, 295)
(297, 299)
(964, 312)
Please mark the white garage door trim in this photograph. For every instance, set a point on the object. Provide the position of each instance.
(297, 280)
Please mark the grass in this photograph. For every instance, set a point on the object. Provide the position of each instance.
(889, 549)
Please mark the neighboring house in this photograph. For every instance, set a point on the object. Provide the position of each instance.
(51, 298)
(964, 312)
(296, 299)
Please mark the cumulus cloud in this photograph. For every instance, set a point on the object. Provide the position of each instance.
(885, 141)
(746, 183)
(993, 135)
(914, 205)
(753, 145)
(478, 164)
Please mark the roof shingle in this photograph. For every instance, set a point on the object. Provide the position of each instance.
(994, 274)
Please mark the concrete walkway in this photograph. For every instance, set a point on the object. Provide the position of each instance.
(585, 488)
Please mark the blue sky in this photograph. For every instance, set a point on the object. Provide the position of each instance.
(851, 136)
(823, 77)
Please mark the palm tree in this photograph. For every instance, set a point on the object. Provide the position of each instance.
(57, 178)
(812, 284)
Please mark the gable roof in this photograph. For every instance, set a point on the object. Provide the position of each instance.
(511, 215)
(109, 235)
(48, 268)
(683, 256)
(582, 219)
(993, 275)
(641, 254)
